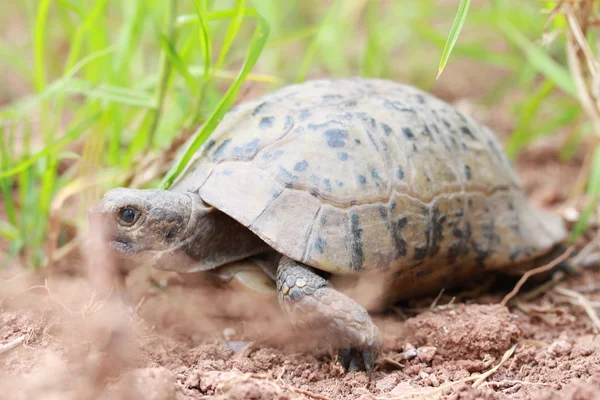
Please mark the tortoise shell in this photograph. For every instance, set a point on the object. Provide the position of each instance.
(355, 175)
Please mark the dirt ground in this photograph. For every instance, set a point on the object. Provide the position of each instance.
(63, 336)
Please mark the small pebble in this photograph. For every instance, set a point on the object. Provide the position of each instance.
(409, 354)
(560, 347)
(235, 346)
(426, 353)
(229, 333)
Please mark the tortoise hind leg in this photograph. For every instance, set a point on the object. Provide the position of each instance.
(312, 304)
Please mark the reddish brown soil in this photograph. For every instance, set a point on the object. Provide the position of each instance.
(178, 340)
(182, 340)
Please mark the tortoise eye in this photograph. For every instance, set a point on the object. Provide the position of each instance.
(128, 216)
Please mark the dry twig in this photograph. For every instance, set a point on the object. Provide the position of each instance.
(579, 299)
(535, 271)
(12, 344)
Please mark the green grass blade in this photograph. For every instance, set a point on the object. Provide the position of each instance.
(593, 191)
(540, 60)
(51, 148)
(39, 40)
(232, 32)
(178, 64)
(312, 48)
(459, 21)
(522, 132)
(15, 61)
(257, 44)
(205, 37)
(6, 184)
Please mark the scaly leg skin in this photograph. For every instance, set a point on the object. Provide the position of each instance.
(312, 304)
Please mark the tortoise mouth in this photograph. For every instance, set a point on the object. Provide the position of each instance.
(123, 247)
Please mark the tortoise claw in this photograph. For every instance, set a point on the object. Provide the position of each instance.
(345, 356)
(354, 360)
(357, 363)
(368, 356)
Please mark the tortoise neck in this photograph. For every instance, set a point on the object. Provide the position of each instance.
(216, 239)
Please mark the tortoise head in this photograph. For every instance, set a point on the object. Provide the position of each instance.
(169, 230)
(143, 225)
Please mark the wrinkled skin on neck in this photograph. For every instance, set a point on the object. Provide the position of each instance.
(171, 231)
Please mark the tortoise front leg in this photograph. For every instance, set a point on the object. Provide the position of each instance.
(312, 304)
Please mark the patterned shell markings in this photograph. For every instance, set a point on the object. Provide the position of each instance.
(361, 174)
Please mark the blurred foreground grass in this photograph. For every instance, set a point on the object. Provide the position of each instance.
(100, 93)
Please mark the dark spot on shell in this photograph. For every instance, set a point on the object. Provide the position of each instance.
(357, 245)
(357, 141)
(415, 148)
(346, 116)
(447, 123)
(287, 175)
(227, 172)
(259, 108)
(370, 121)
(422, 251)
(435, 128)
(209, 145)
(218, 153)
(437, 225)
(374, 174)
(393, 106)
(384, 215)
(515, 253)
(320, 244)
(323, 125)
(351, 103)
(266, 122)
(486, 243)
(342, 156)
(399, 242)
(323, 220)
(420, 99)
(362, 179)
(327, 183)
(408, 133)
(288, 185)
(304, 114)
(393, 205)
(329, 97)
(289, 122)
(399, 172)
(314, 193)
(386, 129)
(248, 149)
(460, 246)
(276, 192)
(460, 116)
(336, 137)
(301, 166)
(427, 133)
(463, 146)
(468, 172)
(466, 131)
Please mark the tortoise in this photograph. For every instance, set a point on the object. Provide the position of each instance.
(368, 179)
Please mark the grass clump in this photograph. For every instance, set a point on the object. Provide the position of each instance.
(103, 92)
